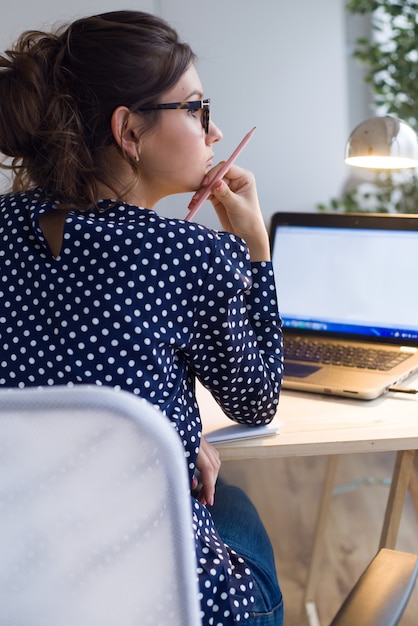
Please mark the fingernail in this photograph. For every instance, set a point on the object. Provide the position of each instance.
(193, 200)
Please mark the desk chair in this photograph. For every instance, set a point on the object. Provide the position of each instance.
(381, 594)
(95, 513)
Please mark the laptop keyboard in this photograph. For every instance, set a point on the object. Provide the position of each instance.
(316, 351)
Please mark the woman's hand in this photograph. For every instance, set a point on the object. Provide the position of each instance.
(236, 203)
(208, 464)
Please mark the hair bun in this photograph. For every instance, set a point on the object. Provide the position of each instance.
(25, 91)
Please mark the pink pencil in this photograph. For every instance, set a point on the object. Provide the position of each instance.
(208, 190)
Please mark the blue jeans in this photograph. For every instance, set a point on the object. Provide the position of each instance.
(240, 527)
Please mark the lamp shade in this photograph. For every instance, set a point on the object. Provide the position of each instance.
(382, 143)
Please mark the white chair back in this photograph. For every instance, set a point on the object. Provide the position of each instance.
(95, 512)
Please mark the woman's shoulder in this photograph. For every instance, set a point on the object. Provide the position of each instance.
(199, 236)
(19, 199)
(178, 232)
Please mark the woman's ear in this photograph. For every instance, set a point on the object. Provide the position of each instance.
(124, 129)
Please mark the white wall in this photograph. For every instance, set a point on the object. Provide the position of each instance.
(274, 64)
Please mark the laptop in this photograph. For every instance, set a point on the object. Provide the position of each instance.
(347, 286)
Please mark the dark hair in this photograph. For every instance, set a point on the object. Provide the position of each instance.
(58, 92)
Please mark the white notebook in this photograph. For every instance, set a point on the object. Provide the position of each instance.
(236, 432)
(218, 428)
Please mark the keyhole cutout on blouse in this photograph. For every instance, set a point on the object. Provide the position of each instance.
(52, 226)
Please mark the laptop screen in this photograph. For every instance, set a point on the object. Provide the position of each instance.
(348, 274)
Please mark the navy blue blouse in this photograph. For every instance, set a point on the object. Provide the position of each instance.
(140, 302)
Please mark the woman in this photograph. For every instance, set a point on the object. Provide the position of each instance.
(101, 120)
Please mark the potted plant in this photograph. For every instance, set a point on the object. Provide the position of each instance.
(390, 57)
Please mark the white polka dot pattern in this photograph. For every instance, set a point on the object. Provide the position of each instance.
(143, 303)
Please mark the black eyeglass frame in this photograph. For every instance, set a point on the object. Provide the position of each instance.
(195, 105)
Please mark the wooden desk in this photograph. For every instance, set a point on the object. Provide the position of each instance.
(321, 425)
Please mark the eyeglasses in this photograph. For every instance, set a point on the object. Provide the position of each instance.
(193, 105)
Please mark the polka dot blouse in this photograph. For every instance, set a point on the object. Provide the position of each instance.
(140, 302)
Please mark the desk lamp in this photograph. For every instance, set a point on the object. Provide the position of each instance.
(382, 143)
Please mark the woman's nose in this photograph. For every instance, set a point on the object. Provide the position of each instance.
(214, 134)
